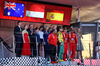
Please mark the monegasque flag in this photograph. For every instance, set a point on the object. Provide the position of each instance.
(35, 10)
(54, 16)
(14, 9)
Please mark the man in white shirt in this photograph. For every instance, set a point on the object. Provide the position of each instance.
(41, 33)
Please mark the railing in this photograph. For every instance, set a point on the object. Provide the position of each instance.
(14, 58)
(6, 45)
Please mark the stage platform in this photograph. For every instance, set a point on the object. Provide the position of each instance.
(27, 61)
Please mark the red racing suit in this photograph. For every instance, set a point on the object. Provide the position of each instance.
(65, 37)
(72, 39)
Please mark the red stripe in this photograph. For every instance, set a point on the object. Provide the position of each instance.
(56, 11)
(53, 21)
(35, 7)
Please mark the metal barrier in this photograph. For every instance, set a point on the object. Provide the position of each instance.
(6, 60)
(90, 55)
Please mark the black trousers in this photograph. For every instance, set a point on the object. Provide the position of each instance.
(33, 48)
(58, 48)
(52, 52)
(41, 41)
(39, 49)
(46, 50)
(18, 49)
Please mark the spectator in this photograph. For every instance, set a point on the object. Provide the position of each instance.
(46, 46)
(18, 39)
(32, 40)
(38, 39)
(41, 33)
(26, 42)
(80, 48)
(97, 49)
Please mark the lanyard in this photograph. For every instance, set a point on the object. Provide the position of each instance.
(64, 34)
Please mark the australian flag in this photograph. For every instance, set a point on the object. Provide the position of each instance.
(14, 9)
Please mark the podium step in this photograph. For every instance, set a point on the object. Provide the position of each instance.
(27, 61)
(68, 63)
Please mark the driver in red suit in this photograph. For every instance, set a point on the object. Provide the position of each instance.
(72, 39)
(65, 37)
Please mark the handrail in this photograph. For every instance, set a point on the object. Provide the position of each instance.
(7, 38)
(6, 45)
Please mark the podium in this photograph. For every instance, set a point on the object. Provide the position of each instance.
(68, 63)
(28, 61)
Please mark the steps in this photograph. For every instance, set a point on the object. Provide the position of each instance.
(27, 61)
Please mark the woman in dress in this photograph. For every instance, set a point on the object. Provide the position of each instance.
(26, 51)
(80, 48)
(97, 49)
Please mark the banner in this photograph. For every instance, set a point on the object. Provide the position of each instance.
(54, 16)
(13, 9)
(35, 10)
(39, 12)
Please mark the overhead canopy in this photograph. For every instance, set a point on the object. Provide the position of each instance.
(89, 9)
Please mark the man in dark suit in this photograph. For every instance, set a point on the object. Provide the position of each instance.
(32, 40)
(18, 39)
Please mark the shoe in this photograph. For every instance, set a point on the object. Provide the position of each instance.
(82, 63)
(60, 60)
(31, 56)
(38, 60)
(65, 60)
(48, 59)
(52, 62)
(56, 62)
(48, 62)
(73, 60)
(81, 60)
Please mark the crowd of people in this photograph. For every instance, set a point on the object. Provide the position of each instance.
(56, 41)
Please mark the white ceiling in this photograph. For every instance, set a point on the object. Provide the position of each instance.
(89, 9)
